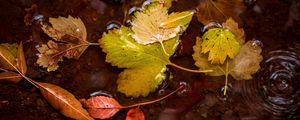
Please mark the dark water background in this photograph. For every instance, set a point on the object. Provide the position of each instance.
(274, 93)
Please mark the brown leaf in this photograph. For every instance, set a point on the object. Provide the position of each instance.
(63, 101)
(101, 107)
(135, 114)
(220, 10)
(8, 56)
(21, 61)
(10, 76)
(70, 40)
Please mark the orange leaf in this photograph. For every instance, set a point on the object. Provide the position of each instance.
(63, 101)
(220, 10)
(21, 61)
(135, 114)
(101, 107)
(10, 76)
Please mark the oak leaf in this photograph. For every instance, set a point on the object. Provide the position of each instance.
(101, 107)
(219, 10)
(70, 40)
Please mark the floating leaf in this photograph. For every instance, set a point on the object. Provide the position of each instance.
(21, 61)
(63, 101)
(70, 41)
(135, 114)
(245, 63)
(10, 76)
(147, 25)
(220, 43)
(219, 10)
(9, 51)
(101, 107)
(146, 63)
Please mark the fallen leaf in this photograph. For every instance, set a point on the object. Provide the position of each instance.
(101, 107)
(63, 101)
(146, 64)
(135, 114)
(219, 10)
(9, 51)
(177, 19)
(165, 3)
(21, 61)
(245, 63)
(147, 27)
(10, 76)
(70, 40)
(220, 43)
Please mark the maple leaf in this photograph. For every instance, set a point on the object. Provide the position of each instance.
(70, 40)
(145, 64)
(245, 63)
(219, 10)
(148, 25)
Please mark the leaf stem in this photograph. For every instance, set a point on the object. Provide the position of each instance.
(154, 101)
(163, 47)
(226, 78)
(190, 70)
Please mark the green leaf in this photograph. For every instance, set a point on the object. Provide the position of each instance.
(220, 43)
(177, 19)
(145, 63)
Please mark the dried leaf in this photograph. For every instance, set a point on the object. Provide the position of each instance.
(10, 76)
(101, 107)
(21, 61)
(135, 114)
(70, 40)
(219, 10)
(146, 63)
(7, 50)
(147, 25)
(63, 101)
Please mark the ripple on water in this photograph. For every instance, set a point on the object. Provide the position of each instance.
(276, 90)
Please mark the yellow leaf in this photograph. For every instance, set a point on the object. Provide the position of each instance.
(7, 50)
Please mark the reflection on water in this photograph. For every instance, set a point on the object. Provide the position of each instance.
(276, 91)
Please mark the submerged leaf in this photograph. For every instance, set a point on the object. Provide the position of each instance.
(101, 107)
(219, 10)
(146, 63)
(220, 43)
(135, 114)
(10, 76)
(70, 40)
(147, 26)
(63, 101)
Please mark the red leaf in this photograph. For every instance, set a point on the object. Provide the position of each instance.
(101, 107)
(135, 114)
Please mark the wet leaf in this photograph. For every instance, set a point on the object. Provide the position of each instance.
(245, 63)
(63, 101)
(220, 43)
(101, 107)
(70, 40)
(10, 76)
(135, 114)
(9, 51)
(219, 10)
(146, 63)
(147, 25)
(177, 19)
(21, 61)
(165, 3)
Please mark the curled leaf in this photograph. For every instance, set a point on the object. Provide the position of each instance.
(63, 101)
(146, 63)
(101, 107)
(70, 40)
(10, 76)
(135, 114)
(219, 10)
